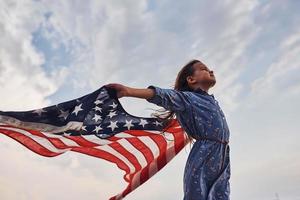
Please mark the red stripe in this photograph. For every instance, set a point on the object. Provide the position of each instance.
(144, 149)
(55, 141)
(99, 153)
(29, 143)
(180, 141)
(89, 148)
(148, 154)
(130, 157)
(82, 141)
(161, 161)
(162, 145)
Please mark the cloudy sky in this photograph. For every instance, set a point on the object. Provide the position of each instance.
(54, 51)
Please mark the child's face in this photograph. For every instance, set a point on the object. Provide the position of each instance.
(203, 75)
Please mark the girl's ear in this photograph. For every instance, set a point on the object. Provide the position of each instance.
(190, 79)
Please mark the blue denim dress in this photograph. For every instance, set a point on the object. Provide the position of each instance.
(207, 170)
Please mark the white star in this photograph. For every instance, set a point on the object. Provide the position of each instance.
(97, 117)
(39, 111)
(66, 134)
(104, 135)
(98, 102)
(111, 114)
(101, 95)
(128, 124)
(113, 125)
(64, 114)
(114, 105)
(143, 122)
(77, 109)
(97, 128)
(83, 128)
(96, 108)
(158, 123)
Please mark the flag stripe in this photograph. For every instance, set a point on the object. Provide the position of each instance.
(31, 143)
(136, 152)
(140, 157)
(94, 125)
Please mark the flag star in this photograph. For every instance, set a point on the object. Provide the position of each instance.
(158, 123)
(143, 122)
(64, 114)
(97, 129)
(39, 111)
(104, 136)
(114, 105)
(111, 114)
(113, 125)
(101, 95)
(128, 124)
(77, 109)
(98, 102)
(66, 134)
(97, 117)
(96, 108)
(83, 128)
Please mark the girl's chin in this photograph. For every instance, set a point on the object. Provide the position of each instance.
(213, 82)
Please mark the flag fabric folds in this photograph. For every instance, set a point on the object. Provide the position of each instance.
(97, 125)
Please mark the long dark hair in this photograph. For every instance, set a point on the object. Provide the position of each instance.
(181, 84)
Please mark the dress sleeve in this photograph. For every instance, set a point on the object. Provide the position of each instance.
(170, 99)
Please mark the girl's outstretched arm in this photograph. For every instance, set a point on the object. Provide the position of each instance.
(170, 99)
(123, 91)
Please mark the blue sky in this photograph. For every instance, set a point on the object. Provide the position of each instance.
(54, 51)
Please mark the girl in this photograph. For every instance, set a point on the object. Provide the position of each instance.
(207, 170)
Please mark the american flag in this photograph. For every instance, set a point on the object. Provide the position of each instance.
(97, 125)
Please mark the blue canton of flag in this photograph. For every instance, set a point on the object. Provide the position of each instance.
(99, 113)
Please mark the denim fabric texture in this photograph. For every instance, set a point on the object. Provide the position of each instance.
(207, 170)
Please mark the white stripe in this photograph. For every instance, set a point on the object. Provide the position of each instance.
(40, 140)
(96, 140)
(50, 135)
(109, 149)
(186, 141)
(167, 135)
(170, 148)
(129, 147)
(155, 151)
(119, 196)
(69, 143)
(136, 181)
(151, 145)
(155, 132)
(63, 139)
(177, 126)
(123, 135)
(152, 168)
(73, 125)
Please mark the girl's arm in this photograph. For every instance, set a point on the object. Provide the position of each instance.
(123, 90)
(170, 99)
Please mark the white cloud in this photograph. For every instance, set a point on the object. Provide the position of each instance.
(122, 42)
(129, 43)
(283, 75)
(265, 130)
(23, 82)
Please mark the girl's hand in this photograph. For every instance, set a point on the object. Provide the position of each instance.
(122, 90)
